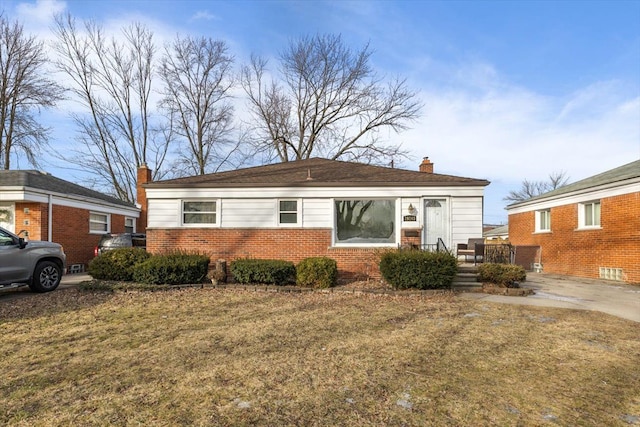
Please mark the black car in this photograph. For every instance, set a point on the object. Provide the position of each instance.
(123, 240)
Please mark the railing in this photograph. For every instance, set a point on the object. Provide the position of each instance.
(439, 246)
(503, 253)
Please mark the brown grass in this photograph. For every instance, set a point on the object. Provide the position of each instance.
(215, 357)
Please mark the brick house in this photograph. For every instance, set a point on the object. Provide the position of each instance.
(590, 228)
(317, 207)
(43, 207)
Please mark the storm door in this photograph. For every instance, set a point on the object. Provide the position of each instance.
(436, 223)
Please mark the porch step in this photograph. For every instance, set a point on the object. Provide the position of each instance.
(466, 279)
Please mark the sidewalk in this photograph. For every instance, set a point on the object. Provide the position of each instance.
(618, 299)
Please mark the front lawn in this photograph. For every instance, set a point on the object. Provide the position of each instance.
(220, 357)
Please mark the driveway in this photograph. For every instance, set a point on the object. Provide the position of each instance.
(67, 281)
(617, 299)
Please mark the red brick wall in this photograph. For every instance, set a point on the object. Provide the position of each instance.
(289, 244)
(38, 218)
(70, 228)
(566, 250)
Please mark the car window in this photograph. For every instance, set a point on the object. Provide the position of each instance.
(6, 239)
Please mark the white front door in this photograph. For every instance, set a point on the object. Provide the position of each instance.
(7, 216)
(436, 222)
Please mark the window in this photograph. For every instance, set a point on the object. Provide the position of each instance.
(99, 222)
(589, 214)
(288, 212)
(543, 220)
(6, 239)
(129, 225)
(201, 212)
(365, 221)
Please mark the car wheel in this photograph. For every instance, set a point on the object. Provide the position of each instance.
(46, 277)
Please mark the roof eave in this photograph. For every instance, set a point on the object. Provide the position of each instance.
(540, 199)
(476, 183)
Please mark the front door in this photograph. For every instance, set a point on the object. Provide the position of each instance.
(436, 222)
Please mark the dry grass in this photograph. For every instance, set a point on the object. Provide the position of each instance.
(215, 357)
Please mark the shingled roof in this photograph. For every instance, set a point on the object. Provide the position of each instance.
(610, 177)
(318, 172)
(26, 179)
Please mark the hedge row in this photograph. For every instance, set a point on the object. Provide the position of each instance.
(314, 272)
(507, 275)
(129, 264)
(405, 269)
(402, 269)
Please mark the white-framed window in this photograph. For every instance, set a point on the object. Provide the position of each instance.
(365, 222)
(288, 213)
(99, 222)
(589, 214)
(200, 212)
(543, 221)
(129, 225)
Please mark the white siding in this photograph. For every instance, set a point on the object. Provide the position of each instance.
(257, 208)
(416, 204)
(312, 192)
(466, 219)
(163, 213)
(317, 213)
(248, 213)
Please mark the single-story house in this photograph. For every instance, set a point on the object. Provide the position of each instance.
(40, 206)
(498, 234)
(316, 207)
(590, 228)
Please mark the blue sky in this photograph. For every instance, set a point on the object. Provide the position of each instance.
(512, 89)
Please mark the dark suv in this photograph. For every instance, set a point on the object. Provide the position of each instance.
(35, 263)
(123, 240)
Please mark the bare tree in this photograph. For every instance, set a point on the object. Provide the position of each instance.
(327, 101)
(197, 76)
(531, 189)
(24, 91)
(112, 79)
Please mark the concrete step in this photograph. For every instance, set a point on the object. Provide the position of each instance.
(466, 277)
(466, 286)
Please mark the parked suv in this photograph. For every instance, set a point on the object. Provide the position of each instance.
(123, 240)
(35, 263)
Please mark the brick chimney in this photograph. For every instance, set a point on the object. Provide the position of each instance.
(144, 176)
(426, 166)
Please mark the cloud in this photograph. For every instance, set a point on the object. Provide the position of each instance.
(477, 124)
(203, 15)
(41, 12)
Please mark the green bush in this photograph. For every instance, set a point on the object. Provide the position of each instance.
(405, 269)
(117, 264)
(268, 271)
(507, 275)
(317, 272)
(172, 269)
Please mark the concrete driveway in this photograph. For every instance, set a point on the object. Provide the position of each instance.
(551, 290)
(67, 281)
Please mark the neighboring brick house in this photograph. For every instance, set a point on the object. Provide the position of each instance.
(317, 207)
(590, 228)
(43, 207)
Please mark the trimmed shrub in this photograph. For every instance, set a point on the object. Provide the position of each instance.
(317, 272)
(172, 269)
(507, 275)
(117, 264)
(268, 271)
(405, 269)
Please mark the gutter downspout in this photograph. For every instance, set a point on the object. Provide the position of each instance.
(50, 219)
